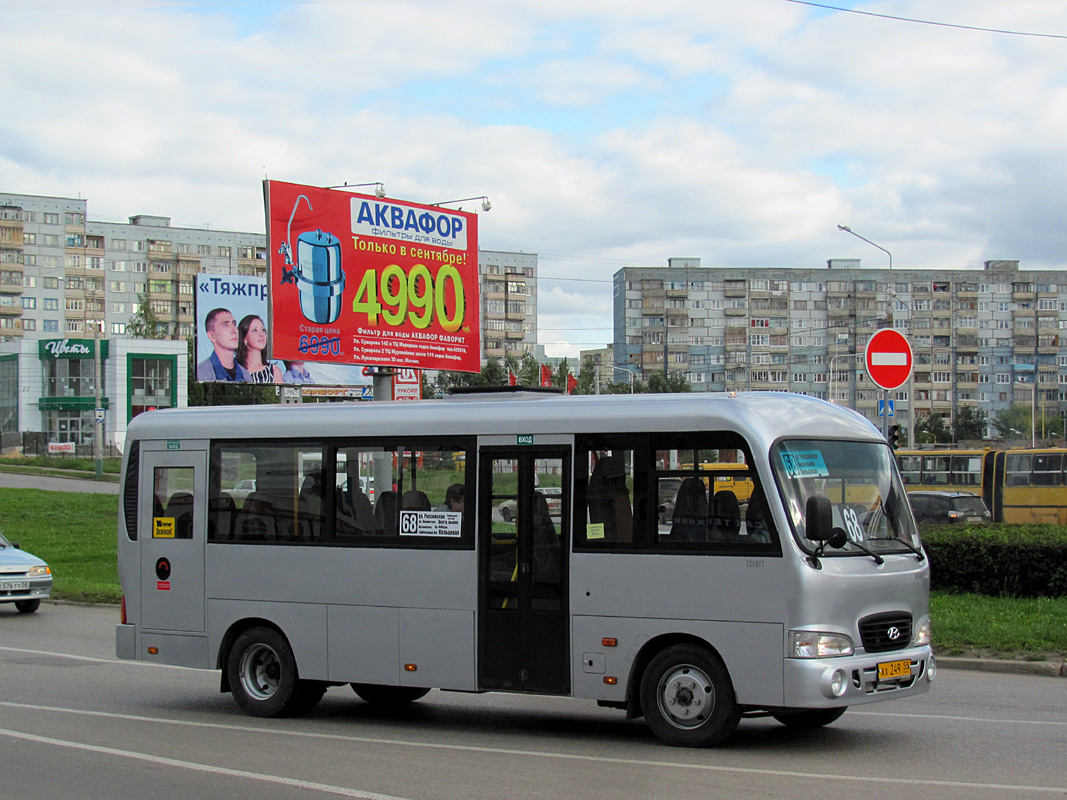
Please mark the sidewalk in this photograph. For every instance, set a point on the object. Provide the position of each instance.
(1048, 669)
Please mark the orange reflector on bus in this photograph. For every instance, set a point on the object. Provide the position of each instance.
(411, 667)
(153, 651)
(609, 641)
(610, 680)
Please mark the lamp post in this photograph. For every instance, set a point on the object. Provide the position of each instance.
(888, 322)
(629, 374)
(379, 187)
(832, 360)
(486, 205)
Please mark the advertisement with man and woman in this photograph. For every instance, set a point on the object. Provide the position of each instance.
(233, 343)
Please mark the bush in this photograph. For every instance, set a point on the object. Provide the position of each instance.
(998, 560)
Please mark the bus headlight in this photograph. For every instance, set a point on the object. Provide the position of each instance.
(922, 633)
(819, 644)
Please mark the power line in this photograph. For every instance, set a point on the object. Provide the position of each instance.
(928, 22)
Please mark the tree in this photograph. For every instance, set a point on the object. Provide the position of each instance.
(671, 382)
(586, 378)
(529, 370)
(932, 429)
(971, 423)
(1014, 422)
(144, 324)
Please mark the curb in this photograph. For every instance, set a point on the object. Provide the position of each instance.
(1048, 669)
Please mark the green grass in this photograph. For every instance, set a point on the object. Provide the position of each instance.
(1004, 627)
(76, 535)
(111, 465)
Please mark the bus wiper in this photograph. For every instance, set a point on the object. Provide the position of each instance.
(878, 560)
(919, 554)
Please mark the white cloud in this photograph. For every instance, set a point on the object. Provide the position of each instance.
(606, 133)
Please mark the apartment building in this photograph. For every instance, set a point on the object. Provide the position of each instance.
(985, 338)
(508, 285)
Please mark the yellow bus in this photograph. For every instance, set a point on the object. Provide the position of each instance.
(1020, 486)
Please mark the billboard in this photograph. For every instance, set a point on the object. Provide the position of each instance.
(233, 339)
(356, 279)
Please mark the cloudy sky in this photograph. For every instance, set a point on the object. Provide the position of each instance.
(606, 134)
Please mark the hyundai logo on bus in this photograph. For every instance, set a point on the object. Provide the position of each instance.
(888, 359)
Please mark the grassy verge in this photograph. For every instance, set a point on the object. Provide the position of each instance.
(1002, 627)
(76, 533)
(47, 464)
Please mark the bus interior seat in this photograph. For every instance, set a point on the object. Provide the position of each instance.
(385, 513)
(255, 521)
(180, 507)
(355, 513)
(310, 506)
(609, 501)
(546, 544)
(690, 521)
(757, 525)
(415, 500)
(221, 511)
(724, 523)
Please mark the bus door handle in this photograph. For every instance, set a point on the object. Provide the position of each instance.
(524, 568)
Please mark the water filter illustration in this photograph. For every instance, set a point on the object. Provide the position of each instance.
(317, 272)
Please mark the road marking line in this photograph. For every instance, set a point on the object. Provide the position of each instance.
(91, 658)
(549, 755)
(192, 765)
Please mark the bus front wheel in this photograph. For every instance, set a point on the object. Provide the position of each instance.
(263, 678)
(687, 697)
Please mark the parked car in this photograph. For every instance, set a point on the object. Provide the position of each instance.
(25, 579)
(553, 494)
(242, 490)
(941, 508)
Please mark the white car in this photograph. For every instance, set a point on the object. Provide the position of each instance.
(242, 490)
(24, 579)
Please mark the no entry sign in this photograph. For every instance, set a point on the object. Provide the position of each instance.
(888, 359)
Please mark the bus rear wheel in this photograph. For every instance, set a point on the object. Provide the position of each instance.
(263, 677)
(388, 695)
(687, 697)
(807, 719)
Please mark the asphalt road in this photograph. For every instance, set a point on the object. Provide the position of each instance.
(76, 723)
(16, 480)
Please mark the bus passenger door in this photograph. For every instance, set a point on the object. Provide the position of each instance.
(172, 514)
(524, 535)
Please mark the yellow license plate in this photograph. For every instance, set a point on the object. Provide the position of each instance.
(894, 669)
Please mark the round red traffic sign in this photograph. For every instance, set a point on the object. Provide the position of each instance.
(888, 359)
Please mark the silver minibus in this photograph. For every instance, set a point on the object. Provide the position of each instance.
(693, 558)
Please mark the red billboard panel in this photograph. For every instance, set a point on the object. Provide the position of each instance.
(356, 279)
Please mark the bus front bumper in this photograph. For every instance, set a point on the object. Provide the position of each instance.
(851, 680)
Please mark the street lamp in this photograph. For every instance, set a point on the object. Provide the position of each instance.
(379, 188)
(486, 205)
(888, 319)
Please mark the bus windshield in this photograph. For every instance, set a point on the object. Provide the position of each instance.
(862, 485)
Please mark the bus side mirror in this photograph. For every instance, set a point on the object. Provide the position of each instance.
(818, 518)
